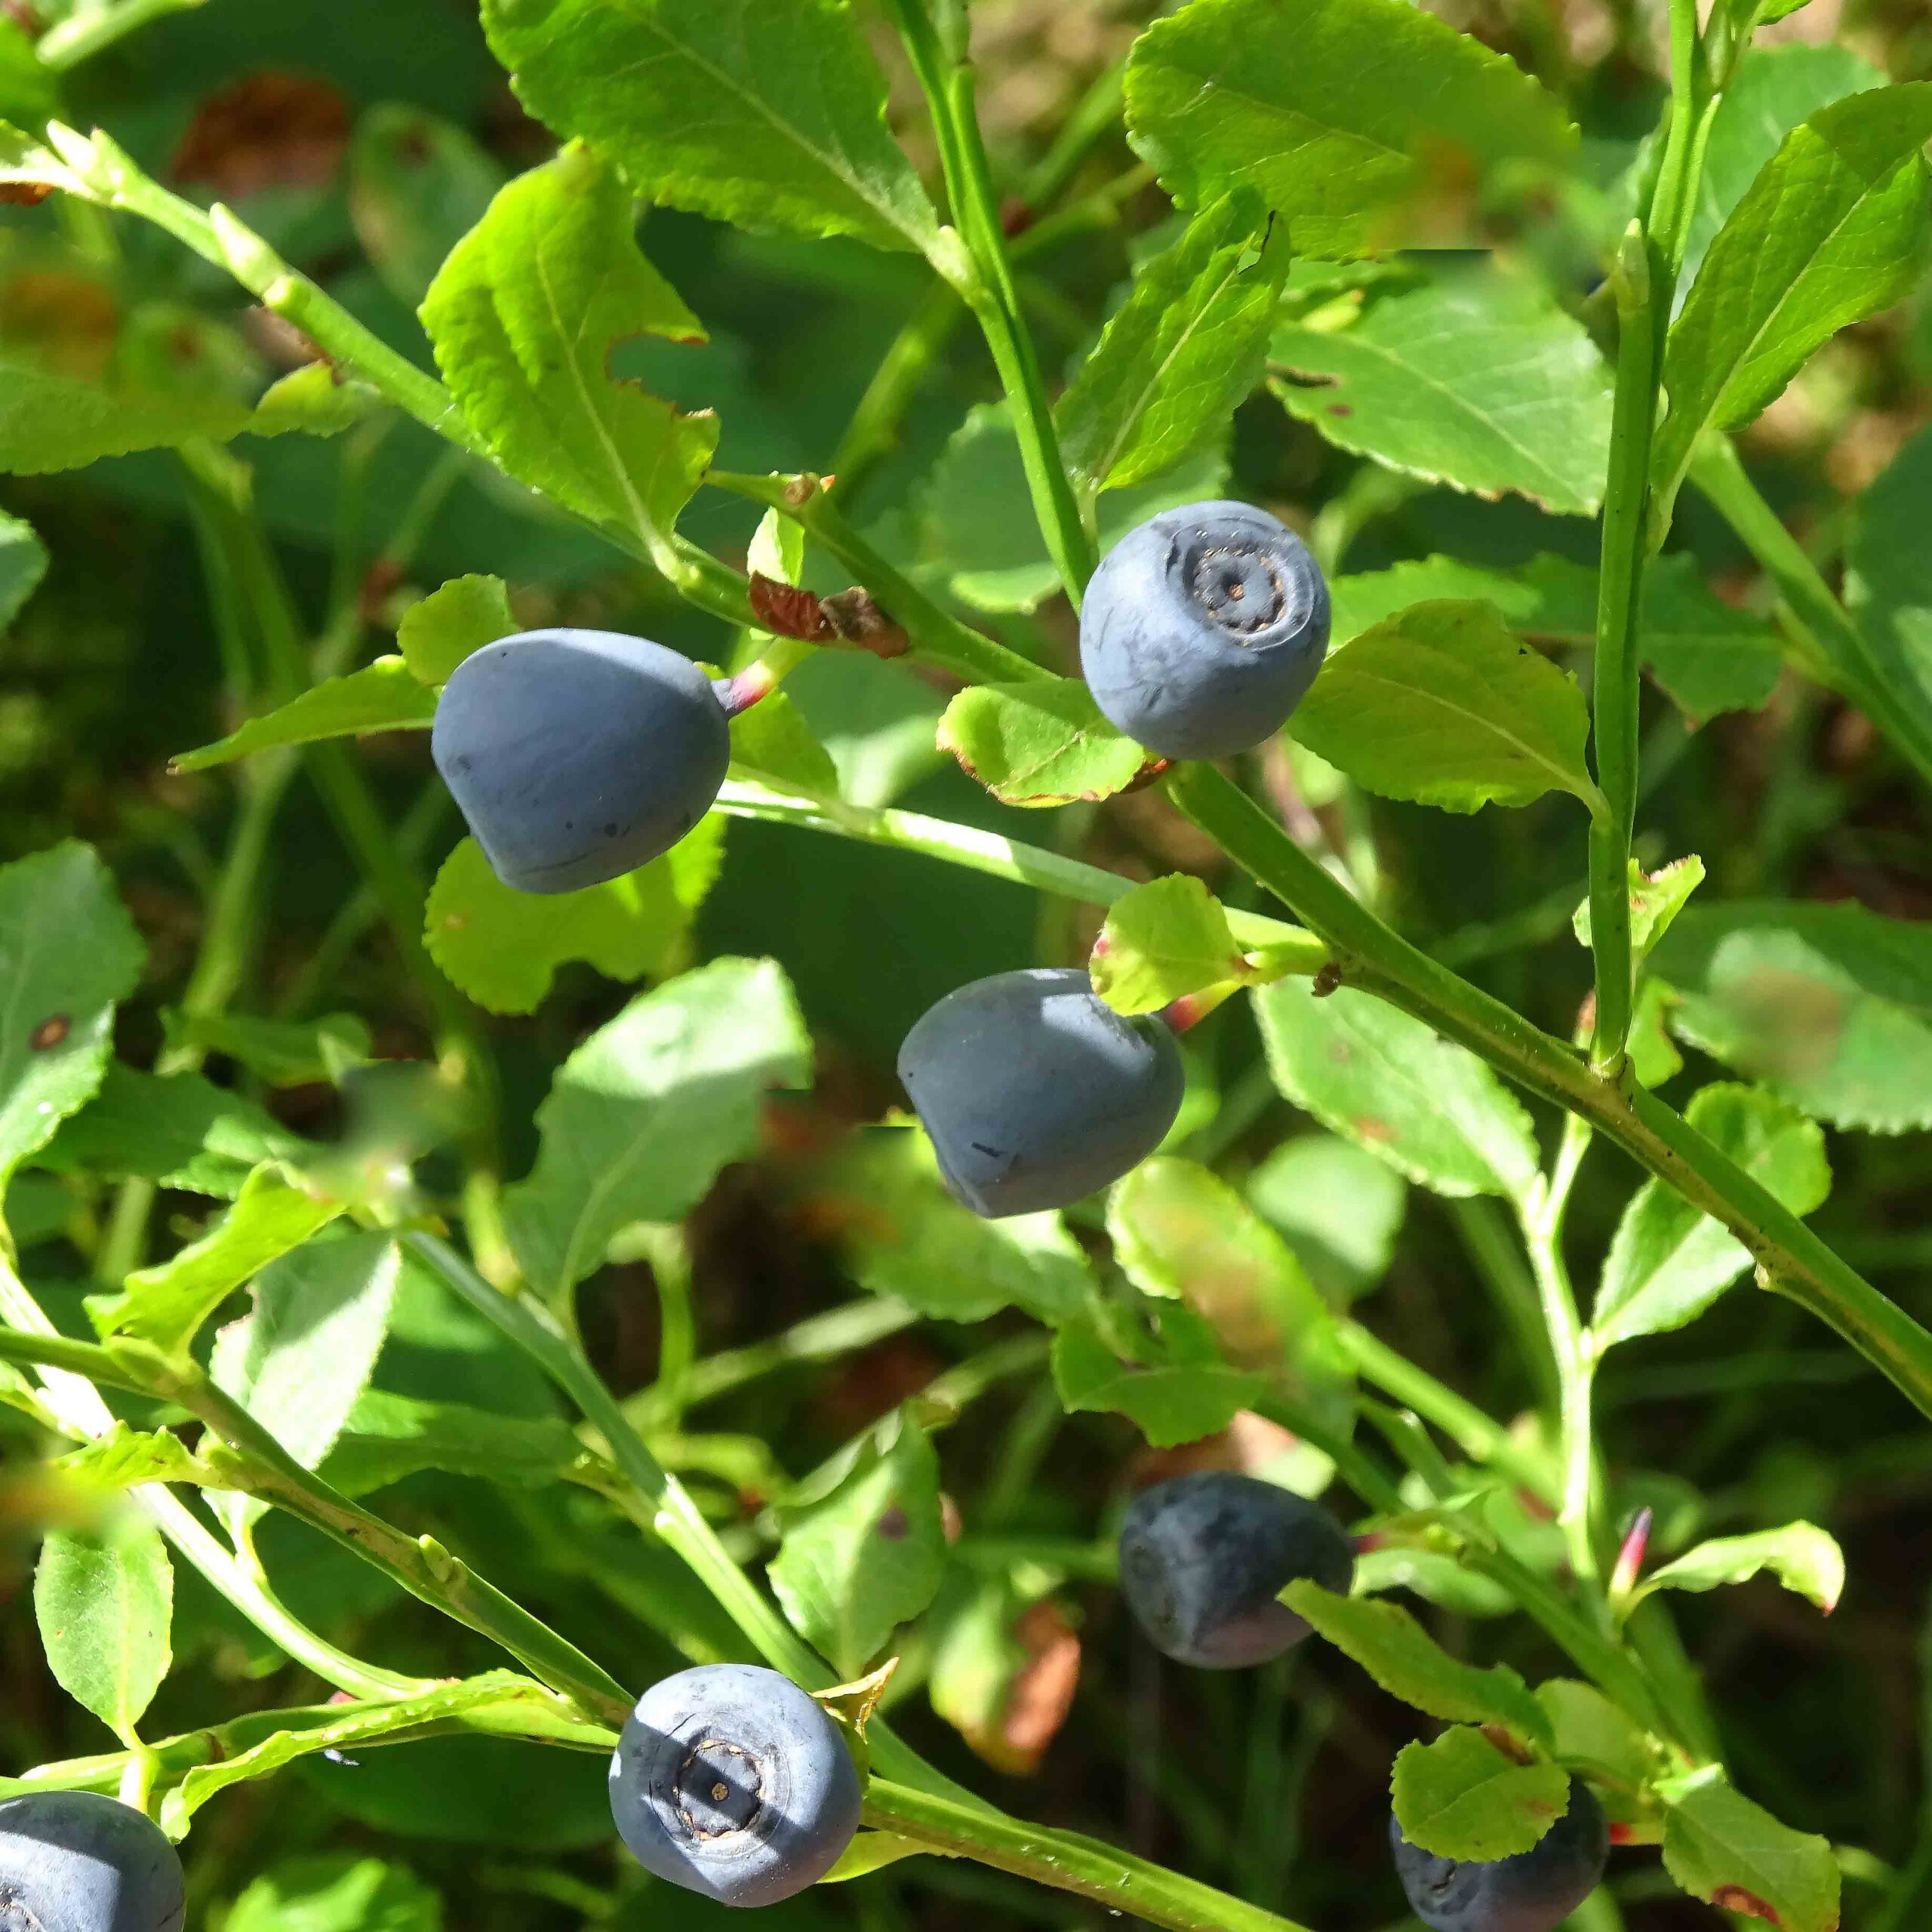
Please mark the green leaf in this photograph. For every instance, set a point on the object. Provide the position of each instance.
(1039, 744)
(381, 697)
(1721, 1848)
(177, 1130)
(418, 185)
(771, 742)
(1159, 1366)
(1162, 941)
(1002, 1658)
(336, 1892)
(1888, 574)
(279, 1053)
(1426, 1107)
(1830, 1006)
(1476, 379)
(1181, 1231)
(1409, 1664)
(126, 1458)
(105, 1600)
(167, 1304)
(1443, 706)
(68, 953)
(1461, 1797)
(1669, 1262)
(523, 318)
(855, 1564)
(1656, 900)
(1801, 1555)
(1835, 229)
(767, 113)
(51, 420)
(503, 949)
(29, 94)
(1654, 1054)
(1435, 1576)
(1183, 351)
(1339, 1209)
(22, 564)
(642, 1116)
(388, 1437)
(1348, 116)
(1591, 1734)
(316, 400)
(456, 618)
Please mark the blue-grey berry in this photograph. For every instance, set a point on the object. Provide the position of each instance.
(1535, 1891)
(1202, 629)
(578, 756)
(74, 1861)
(1204, 1557)
(1036, 1094)
(730, 1781)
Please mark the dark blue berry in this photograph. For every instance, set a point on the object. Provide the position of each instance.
(1204, 1559)
(1535, 1891)
(1036, 1092)
(1202, 629)
(578, 756)
(730, 1781)
(74, 1861)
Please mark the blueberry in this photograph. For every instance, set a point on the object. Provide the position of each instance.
(1535, 1891)
(1202, 629)
(1036, 1092)
(578, 755)
(730, 1781)
(74, 1861)
(1204, 1558)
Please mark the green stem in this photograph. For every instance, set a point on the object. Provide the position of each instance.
(81, 36)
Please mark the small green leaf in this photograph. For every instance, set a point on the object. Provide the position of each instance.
(1591, 1734)
(1721, 1848)
(316, 400)
(336, 1892)
(1443, 706)
(1669, 1262)
(1338, 1207)
(767, 113)
(1428, 1108)
(1656, 900)
(1183, 353)
(167, 1304)
(1435, 1576)
(1039, 744)
(1349, 117)
(1461, 1797)
(68, 953)
(1164, 940)
(642, 1116)
(456, 618)
(381, 697)
(1408, 1663)
(388, 1437)
(1802, 1557)
(126, 1458)
(1654, 1054)
(279, 1053)
(104, 1601)
(855, 1565)
(1160, 1369)
(773, 744)
(22, 564)
(523, 318)
(417, 185)
(1476, 379)
(503, 948)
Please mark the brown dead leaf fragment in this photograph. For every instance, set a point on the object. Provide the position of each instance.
(858, 620)
(24, 194)
(1041, 1693)
(785, 611)
(1735, 1898)
(269, 130)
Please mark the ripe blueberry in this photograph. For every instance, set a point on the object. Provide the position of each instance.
(1535, 1891)
(578, 755)
(1036, 1092)
(1202, 629)
(1204, 1558)
(730, 1781)
(74, 1861)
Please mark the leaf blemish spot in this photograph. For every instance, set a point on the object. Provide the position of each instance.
(52, 1032)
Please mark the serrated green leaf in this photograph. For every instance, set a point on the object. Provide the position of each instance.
(1349, 117)
(417, 184)
(381, 697)
(1669, 1262)
(1721, 1848)
(772, 742)
(1590, 1733)
(1164, 940)
(1443, 706)
(503, 948)
(1337, 1207)
(316, 400)
(336, 1892)
(524, 317)
(854, 1566)
(1039, 744)
(1461, 1797)
(22, 564)
(1835, 228)
(642, 1116)
(1162, 1371)
(1477, 380)
(1656, 900)
(767, 113)
(126, 1458)
(1888, 575)
(167, 1303)
(1830, 1006)
(1427, 1107)
(456, 618)
(1802, 1557)
(104, 1601)
(51, 420)
(1183, 353)
(1435, 1576)
(68, 953)
(388, 1437)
